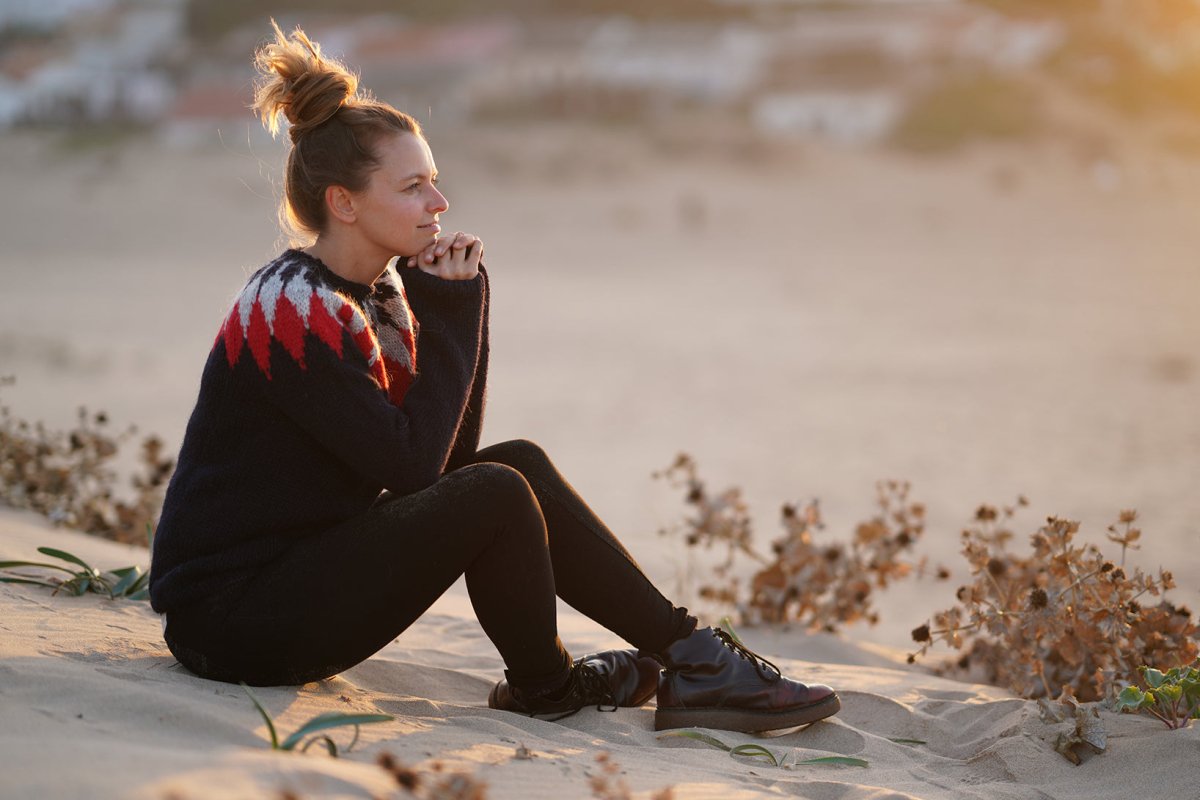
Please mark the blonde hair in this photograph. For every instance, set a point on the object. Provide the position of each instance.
(334, 127)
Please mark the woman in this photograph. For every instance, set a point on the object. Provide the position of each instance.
(330, 485)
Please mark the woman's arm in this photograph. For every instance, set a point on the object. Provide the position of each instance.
(332, 395)
(466, 441)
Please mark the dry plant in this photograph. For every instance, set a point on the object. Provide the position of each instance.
(1082, 734)
(1062, 619)
(821, 585)
(825, 585)
(433, 784)
(607, 784)
(69, 477)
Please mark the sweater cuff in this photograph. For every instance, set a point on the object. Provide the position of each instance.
(426, 285)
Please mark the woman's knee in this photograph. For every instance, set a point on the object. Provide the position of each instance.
(523, 455)
(496, 487)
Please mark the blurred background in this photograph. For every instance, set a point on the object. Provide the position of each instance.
(813, 244)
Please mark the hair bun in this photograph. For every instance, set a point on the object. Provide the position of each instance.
(295, 80)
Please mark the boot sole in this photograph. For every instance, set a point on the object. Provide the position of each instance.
(745, 720)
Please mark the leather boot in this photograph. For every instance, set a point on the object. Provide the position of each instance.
(709, 680)
(607, 680)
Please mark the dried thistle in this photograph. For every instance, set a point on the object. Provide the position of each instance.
(68, 476)
(720, 519)
(821, 585)
(1059, 619)
(607, 784)
(438, 785)
(827, 585)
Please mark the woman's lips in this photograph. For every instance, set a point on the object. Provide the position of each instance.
(433, 226)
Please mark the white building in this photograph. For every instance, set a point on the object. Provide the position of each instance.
(110, 66)
(46, 14)
(850, 118)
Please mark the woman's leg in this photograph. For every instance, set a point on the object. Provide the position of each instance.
(709, 679)
(337, 597)
(592, 570)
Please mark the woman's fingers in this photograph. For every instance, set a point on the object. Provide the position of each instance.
(475, 254)
(462, 263)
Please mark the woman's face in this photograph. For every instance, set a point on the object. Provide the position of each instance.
(397, 212)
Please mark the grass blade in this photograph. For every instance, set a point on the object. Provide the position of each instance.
(846, 761)
(699, 737)
(32, 582)
(266, 717)
(755, 751)
(65, 556)
(727, 626)
(331, 720)
(11, 564)
(908, 741)
(329, 745)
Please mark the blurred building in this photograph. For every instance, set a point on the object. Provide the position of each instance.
(89, 62)
(845, 71)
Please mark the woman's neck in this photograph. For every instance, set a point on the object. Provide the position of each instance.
(345, 262)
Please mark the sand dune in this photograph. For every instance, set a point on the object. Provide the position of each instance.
(985, 326)
(93, 705)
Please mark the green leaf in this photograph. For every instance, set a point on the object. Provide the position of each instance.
(699, 737)
(1154, 678)
(1172, 693)
(843, 760)
(331, 720)
(266, 717)
(755, 751)
(127, 577)
(1131, 698)
(140, 594)
(908, 741)
(11, 564)
(65, 556)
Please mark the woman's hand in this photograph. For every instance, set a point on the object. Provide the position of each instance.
(454, 257)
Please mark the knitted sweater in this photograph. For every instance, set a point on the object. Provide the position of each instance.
(310, 404)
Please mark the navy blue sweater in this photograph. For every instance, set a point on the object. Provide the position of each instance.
(318, 394)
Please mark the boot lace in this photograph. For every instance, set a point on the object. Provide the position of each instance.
(588, 687)
(765, 668)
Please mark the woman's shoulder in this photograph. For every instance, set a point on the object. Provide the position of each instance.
(289, 298)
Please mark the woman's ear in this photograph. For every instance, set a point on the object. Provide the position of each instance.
(340, 203)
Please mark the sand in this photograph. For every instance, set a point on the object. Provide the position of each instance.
(992, 324)
(95, 706)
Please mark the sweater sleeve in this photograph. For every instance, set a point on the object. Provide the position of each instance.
(466, 442)
(332, 394)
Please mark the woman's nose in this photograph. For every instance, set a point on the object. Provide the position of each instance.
(438, 203)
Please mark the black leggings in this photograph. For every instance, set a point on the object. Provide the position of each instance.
(509, 521)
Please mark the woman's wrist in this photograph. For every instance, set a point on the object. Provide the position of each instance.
(426, 282)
